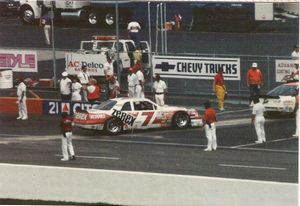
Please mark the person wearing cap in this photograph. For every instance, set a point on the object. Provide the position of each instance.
(139, 90)
(108, 72)
(114, 87)
(258, 120)
(21, 93)
(93, 91)
(160, 88)
(209, 121)
(133, 31)
(295, 53)
(254, 81)
(66, 141)
(65, 85)
(76, 90)
(84, 78)
(132, 82)
(219, 88)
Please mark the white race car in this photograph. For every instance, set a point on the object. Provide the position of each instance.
(281, 99)
(119, 114)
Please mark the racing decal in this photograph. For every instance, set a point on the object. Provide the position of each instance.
(124, 117)
(57, 107)
(148, 118)
(18, 60)
(196, 67)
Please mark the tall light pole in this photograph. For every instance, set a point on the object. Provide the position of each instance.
(53, 44)
(117, 42)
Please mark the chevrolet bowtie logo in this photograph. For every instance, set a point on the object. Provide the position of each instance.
(164, 66)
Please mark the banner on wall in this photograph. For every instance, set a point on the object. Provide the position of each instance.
(196, 67)
(18, 60)
(284, 68)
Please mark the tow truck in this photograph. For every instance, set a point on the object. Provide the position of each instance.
(93, 53)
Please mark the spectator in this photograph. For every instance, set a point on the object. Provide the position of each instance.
(295, 73)
(254, 81)
(65, 85)
(160, 89)
(209, 119)
(84, 78)
(108, 72)
(297, 114)
(133, 30)
(66, 141)
(258, 120)
(220, 89)
(137, 55)
(45, 22)
(93, 91)
(178, 21)
(295, 53)
(21, 93)
(76, 90)
(114, 87)
(139, 90)
(132, 82)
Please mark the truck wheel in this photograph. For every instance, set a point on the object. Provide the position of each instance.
(181, 120)
(92, 19)
(27, 15)
(113, 126)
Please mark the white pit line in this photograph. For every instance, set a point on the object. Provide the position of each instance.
(93, 157)
(252, 167)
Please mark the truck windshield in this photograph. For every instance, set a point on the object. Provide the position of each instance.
(107, 105)
(104, 45)
(87, 46)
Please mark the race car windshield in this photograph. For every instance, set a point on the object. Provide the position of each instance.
(282, 90)
(87, 46)
(104, 45)
(107, 105)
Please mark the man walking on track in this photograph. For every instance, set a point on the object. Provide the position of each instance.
(66, 130)
(258, 120)
(209, 119)
(254, 81)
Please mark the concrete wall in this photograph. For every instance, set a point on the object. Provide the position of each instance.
(136, 188)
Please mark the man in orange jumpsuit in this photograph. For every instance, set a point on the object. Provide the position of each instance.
(254, 81)
(209, 119)
(219, 88)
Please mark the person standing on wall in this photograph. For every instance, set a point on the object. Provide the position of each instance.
(132, 82)
(84, 79)
(21, 93)
(45, 22)
(209, 119)
(66, 141)
(160, 89)
(254, 81)
(220, 89)
(133, 31)
(65, 86)
(258, 120)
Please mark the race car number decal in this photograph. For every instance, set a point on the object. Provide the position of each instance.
(148, 118)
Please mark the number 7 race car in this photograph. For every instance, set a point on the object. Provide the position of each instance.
(119, 114)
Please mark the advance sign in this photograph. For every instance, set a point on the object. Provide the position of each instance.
(196, 67)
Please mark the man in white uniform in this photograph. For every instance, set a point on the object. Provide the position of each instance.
(139, 90)
(65, 85)
(21, 93)
(133, 29)
(132, 82)
(160, 88)
(84, 79)
(76, 90)
(259, 120)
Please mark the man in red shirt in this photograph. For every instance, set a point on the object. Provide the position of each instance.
(66, 130)
(209, 119)
(219, 88)
(254, 81)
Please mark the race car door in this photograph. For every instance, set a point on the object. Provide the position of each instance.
(147, 115)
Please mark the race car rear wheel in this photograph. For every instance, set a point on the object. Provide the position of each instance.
(181, 120)
(113, 126)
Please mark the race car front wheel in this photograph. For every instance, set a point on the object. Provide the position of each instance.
(181, 120)
(113, 126)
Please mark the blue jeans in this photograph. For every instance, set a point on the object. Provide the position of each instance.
(254, 91)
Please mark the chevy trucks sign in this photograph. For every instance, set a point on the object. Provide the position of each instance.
(93, 62)
(196, 67)
(18, 60)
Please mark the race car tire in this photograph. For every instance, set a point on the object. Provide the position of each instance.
(181, 120)
(113, 126)
(27, 15)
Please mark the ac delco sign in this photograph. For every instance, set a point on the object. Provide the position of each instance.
(93, 62)
(18, 61)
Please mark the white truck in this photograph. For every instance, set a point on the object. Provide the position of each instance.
(92, 54)
(90, 12)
